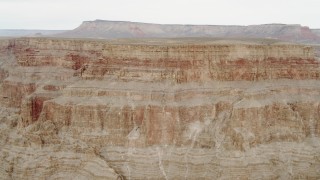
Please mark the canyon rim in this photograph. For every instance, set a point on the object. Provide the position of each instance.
(159, 108)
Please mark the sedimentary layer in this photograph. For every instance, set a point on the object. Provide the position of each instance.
(158, 109)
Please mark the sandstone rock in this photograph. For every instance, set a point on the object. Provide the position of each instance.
(158, 109)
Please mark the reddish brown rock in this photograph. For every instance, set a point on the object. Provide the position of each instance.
(172, 109)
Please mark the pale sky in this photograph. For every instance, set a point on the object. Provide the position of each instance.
(68, 14)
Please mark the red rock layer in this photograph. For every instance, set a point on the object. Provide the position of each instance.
(159, 104)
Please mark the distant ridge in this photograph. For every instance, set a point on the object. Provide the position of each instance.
(28, 32)
(316, 31)
(105, 29)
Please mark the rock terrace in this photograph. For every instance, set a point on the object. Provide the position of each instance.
(158, 109)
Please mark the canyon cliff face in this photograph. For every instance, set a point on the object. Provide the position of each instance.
(124, 29)
(158, 109)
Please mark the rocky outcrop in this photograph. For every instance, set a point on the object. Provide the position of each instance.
(125, 29)
(158, 109)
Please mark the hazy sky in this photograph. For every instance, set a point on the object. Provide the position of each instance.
(68, 14)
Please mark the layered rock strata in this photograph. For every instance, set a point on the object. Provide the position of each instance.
(158, 109)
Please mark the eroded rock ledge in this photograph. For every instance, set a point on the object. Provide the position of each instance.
(158, 109)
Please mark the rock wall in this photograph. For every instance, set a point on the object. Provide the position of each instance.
(158, 109)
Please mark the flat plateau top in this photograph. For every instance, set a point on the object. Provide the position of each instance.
(200, 41)
(171, 41)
